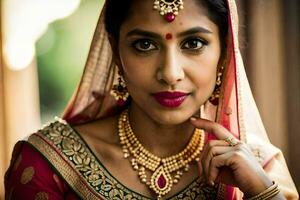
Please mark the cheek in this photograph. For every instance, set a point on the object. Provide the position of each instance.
(205, 81)
(138, 73)
(204, 77)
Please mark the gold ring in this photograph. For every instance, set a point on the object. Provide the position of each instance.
(231, 141)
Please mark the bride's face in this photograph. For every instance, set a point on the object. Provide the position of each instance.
(169, 68)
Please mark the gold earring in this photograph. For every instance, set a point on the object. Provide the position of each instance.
(214, 98)
(119, 91)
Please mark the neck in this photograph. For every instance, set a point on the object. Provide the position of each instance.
(161, 140)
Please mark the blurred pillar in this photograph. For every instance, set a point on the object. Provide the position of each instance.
(19, 105)
(22, 115)
(266, 64)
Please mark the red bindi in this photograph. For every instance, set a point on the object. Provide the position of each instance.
(169, 36)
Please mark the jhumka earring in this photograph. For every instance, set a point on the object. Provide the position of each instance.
(168, 8)
(214, 98)
(119, 91)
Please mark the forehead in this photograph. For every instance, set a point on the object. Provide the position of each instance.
(142, 15)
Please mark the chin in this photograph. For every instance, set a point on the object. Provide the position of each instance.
(171, 117)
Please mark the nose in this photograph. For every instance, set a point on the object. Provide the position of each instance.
(171, 70)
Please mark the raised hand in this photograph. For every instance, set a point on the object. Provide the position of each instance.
(230, 161)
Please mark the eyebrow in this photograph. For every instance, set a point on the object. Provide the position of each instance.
(145, 33)
(194, 30)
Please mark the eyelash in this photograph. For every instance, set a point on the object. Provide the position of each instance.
(140, 41)
(193, 39)
(153, 45)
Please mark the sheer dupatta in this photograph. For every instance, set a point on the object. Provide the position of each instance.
(236, 110)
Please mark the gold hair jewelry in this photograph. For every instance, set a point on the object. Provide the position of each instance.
(165, 171)
(270, 192)
(168, 8)
(120, 92)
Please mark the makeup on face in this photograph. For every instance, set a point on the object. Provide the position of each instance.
(169, 36)
(169, 67)
(170, 99)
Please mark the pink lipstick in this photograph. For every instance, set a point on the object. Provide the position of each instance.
(170, 99)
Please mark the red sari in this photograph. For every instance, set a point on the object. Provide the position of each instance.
(31, 177)
(56, 163)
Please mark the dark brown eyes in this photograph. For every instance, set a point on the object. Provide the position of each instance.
(147, 45)
(144, 45)
(193, 44)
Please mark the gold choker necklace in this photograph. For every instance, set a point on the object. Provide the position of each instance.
(165, 171)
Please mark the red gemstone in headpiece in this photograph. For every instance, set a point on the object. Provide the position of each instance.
(170, 17)
(161, 182)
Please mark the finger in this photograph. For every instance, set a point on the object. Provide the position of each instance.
(216, 163)
(210, 145)
(213, 152)
(212, 127)
(207, 147)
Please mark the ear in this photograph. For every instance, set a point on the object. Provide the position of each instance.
(115, 50)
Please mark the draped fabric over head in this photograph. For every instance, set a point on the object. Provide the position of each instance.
(236, 110)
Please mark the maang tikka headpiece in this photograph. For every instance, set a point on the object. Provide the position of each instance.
(168, 8)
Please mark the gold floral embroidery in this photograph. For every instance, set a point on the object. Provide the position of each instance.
(17, 163)
(70, 175)
(41, 196)
(27, 175)
(76, 152)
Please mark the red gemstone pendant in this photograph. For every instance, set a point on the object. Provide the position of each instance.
(170, 17)
(161, 181)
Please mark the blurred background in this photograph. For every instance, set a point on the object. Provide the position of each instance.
(45, 45)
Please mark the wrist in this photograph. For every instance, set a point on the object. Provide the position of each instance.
(258, 187)
(268, 193)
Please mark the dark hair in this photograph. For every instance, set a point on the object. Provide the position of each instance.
(218, 13)
(117, 12)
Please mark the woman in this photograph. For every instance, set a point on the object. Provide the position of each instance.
(185, 127)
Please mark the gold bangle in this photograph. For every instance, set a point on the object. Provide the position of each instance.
(270, 192)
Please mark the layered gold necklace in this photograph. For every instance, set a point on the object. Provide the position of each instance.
(165, 171)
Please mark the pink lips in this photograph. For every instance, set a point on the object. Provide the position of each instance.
(170, 99)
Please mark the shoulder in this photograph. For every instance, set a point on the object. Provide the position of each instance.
(30, 175)
(59, 148)
(103, 130)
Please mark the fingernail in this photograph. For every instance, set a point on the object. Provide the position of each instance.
(212, 183)
(193, 118)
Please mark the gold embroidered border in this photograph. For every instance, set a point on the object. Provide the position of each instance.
(221, 192)
(65, 170)
(71, 157)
